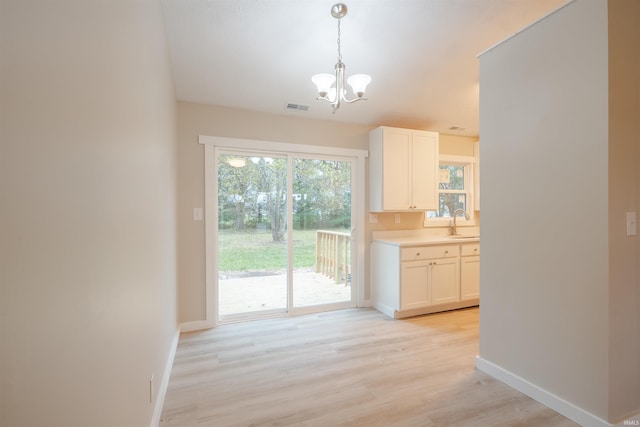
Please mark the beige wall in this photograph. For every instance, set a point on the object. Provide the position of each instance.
(624, 196)
(559, 276)
(457, 145)
(87, 179)
(196, 119)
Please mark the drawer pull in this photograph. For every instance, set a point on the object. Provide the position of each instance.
(417, 253)
(446, 252)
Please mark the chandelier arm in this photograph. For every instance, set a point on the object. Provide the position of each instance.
(351, 101)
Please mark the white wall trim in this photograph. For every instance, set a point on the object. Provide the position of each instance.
(164, 385)
(210, 230)
(358, 230)
(284, 147)
(385, 309)
(197, 325)
(541, 395)
(524, 29)
(456, 158)
(214, 143)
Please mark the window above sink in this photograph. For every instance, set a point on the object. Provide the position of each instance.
(456, 184)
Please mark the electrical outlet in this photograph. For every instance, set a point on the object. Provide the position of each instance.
(373, 218)
(397, 218)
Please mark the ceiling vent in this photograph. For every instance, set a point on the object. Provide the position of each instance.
(297, 107)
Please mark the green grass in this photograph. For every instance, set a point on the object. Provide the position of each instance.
(255, 250)
(241, 251)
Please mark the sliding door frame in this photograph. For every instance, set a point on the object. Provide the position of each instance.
(211, 143)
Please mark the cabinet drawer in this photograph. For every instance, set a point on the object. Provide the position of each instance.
(470, 249)
(428, 252)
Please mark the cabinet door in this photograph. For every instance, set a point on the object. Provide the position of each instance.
(424, 168)
(470, 278)
(414, 285)
(396, 184)
(445, 285)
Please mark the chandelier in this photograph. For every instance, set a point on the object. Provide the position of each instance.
(358, 82)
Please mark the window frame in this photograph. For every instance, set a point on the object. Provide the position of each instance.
(468, 163)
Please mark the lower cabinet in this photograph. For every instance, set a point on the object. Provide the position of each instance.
(408, 281)
(415, 284)
(470, 272)
(445, 280)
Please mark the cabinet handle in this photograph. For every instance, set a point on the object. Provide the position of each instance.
(418, 254)
(446, 252)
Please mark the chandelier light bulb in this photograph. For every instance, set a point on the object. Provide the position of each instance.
(358, 83)
(323, 82)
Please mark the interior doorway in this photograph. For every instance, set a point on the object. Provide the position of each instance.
(284, 232)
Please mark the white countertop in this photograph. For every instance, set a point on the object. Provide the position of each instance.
(415, 237)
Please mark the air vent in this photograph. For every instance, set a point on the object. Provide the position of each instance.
(297, 107)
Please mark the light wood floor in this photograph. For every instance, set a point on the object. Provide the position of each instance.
(351, 367)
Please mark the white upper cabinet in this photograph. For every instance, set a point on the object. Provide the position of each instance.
(403, 169)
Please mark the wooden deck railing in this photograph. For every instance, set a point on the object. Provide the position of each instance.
(333, 255)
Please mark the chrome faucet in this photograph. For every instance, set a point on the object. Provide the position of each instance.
(453, 227)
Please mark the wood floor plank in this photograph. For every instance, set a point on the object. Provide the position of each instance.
(351, 367)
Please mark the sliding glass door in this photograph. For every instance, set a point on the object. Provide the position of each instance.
(284, 233)
(321, 231)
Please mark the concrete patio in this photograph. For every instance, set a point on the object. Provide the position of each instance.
(245, 292)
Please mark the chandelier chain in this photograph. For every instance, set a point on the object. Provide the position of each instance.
(339, 51)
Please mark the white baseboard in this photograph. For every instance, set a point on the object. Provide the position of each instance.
(541, 395)
(197, 325)
(395, 314)
(384, 309)
(164, 385)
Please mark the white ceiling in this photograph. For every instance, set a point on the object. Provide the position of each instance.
(421, 54)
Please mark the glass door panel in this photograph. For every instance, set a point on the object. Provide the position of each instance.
(321, 230)
(252, 233)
